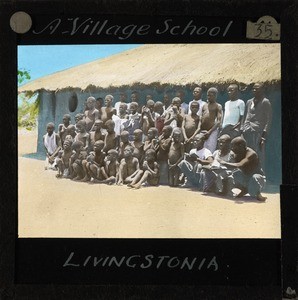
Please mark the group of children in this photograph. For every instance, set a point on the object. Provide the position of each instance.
(167, 142)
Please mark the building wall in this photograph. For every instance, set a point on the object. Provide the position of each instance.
(54, 105)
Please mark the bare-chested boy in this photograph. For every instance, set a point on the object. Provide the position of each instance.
(191, 126)
(176, 154)
(93, 163)
(106, 112)
(174, 115)
(76, 171)
(138, 145)
(160, 117)
(82, 134)
(211, 119)
(149, 173)
(152, 140)
(96, 133)
(63, 162)
(247, 174)
(163, 152)
(129, 166)
(91, 114)
(52, 144)
(148, 117)
(62, 128)
(124, 141)
(111, 141)
(71, 130)
(110, 169)
(122, 100)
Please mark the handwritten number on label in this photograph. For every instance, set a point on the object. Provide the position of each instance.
(264, 30)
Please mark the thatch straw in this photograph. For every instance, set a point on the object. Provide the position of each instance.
(173, 64)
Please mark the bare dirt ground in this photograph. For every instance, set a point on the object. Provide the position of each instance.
(51, 207)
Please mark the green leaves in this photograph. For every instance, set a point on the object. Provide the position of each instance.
(23, 75)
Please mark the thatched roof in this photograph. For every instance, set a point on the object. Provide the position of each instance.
(173, 64)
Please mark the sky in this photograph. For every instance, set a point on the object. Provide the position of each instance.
(40, 61)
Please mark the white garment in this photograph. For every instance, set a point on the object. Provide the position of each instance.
(50, 142)
(201, 104)
(118, 123)
(184, 107)
(203, 153)
(233, 111)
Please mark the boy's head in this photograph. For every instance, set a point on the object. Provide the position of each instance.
(122, 108)
(112, 155)
(78, 117)
(90, 103)
(176, 101)
(197, 93)
(110, 125)
(150, 105)
(158, 107)
(122, 97)
(124, 136)
(137, 135)
(98, 103)
(198, 141)
(258, 90)
(238, 145)
(98, 146)
(109, 100)
(150, 155)
(66, 119)
(50, 128)
(152, 133)
(77, 146)
(177, 135)
(180, 94)
(224, 142)
(233, 91)
(128, 151)
(81, 126)
(194, 107)
(167, 131)
(149, 97)
(71, 129)
(166, 99)
(134, 97)
(98, 125)
(133, 107)
(212, 94)
(67, 144)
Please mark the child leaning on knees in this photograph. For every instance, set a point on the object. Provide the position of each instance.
(93, 163)
(149, 173)
(75, 161)
(129, 166)
(63, 159)
(110, 169)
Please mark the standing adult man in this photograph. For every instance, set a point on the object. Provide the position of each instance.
(257, 121)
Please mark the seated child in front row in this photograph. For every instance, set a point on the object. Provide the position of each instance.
(111, 167)
(94, 162)
(150, 172)
(75, 162)
(129, 166)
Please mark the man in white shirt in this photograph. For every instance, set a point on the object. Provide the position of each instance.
(233, 113)
(191, 166)
(197, 95)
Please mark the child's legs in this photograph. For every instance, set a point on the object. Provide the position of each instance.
(137, 177)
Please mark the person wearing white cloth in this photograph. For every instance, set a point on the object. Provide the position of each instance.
(233, 113)
(52, 143)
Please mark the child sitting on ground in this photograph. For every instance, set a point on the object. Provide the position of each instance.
(149, 173)
(63, 159)
(75, 161)
(129, 166)
(110, 169)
